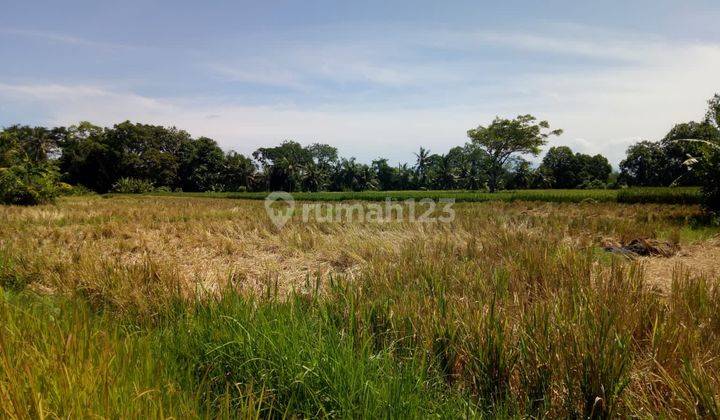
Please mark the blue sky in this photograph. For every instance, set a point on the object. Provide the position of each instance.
(373, 78)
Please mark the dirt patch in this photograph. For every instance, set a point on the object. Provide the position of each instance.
(700, 259)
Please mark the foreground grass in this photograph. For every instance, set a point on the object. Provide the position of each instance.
(508, 311)
(676, 195)
(61, 358)
(575, 349)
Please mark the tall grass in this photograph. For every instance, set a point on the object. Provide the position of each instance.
(507, 312)
(675, 195)
(59, 358)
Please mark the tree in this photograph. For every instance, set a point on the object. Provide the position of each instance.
(562, 166)
(565, 169)
(385, 174)
(522, 176)
(148, 152)
(200, 165)
(645, 165)
(353, 176)
(284, 165)
(505, 138)
(405, 176)
(474, 163)
(710, 170)
(10, 152)
(26, 177)
(237, 172)
(86, 158)
(594, 169)
(443, 171)
(713, 113)
(37, 143)
(677, 151)
(318, 172)
(421, 166)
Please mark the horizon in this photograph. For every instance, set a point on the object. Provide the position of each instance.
(373, 80)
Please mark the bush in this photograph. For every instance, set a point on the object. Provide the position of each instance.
(133, 186)
(73, 190)
(595, 184)
(25, 184)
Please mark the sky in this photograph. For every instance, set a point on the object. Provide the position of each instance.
(372, 78)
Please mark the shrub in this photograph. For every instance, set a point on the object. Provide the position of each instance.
(595, 184)
(132, 186)
(73, 190)
(26, 184)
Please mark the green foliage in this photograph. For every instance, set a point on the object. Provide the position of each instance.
(711, 181)
(27, 185)
(133, 186)
(678, 195)
(677, 151)
(237, 172)
(660, 195)
(353, 176)
(565, 169)
(504, 138)
(36, 144)
(98, 157)
(200, 165)
(25, 179)
(713, 114)
(644, 165)
(594, 184)
(73, 190)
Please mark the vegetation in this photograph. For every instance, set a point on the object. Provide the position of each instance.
(26, 174)
(132, 186)
(172, 305)
(674, 195)
(561, 168)
(105, 159)
(674, 159)
(508, 311)
(505, 138)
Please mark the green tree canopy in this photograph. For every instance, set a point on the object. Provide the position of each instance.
(505, 138)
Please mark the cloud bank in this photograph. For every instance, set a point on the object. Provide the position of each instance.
(371, 96)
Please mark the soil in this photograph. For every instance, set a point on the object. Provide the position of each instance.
(701, 259)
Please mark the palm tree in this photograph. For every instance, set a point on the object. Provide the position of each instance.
(421, 165)
(446, 177)
(404, 177)
(313, 178)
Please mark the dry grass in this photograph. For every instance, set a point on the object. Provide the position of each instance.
(512, 309)
(700, 259)
(204, 243)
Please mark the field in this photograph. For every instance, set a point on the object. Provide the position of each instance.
(184, 306)
(664, 195)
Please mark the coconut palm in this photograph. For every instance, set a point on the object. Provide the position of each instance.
(421, 165)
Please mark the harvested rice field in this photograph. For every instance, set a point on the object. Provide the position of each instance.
(172, 306)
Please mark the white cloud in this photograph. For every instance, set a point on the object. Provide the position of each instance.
(63, 38)
(649, 86)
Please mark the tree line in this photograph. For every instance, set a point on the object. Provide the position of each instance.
(494, 157)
